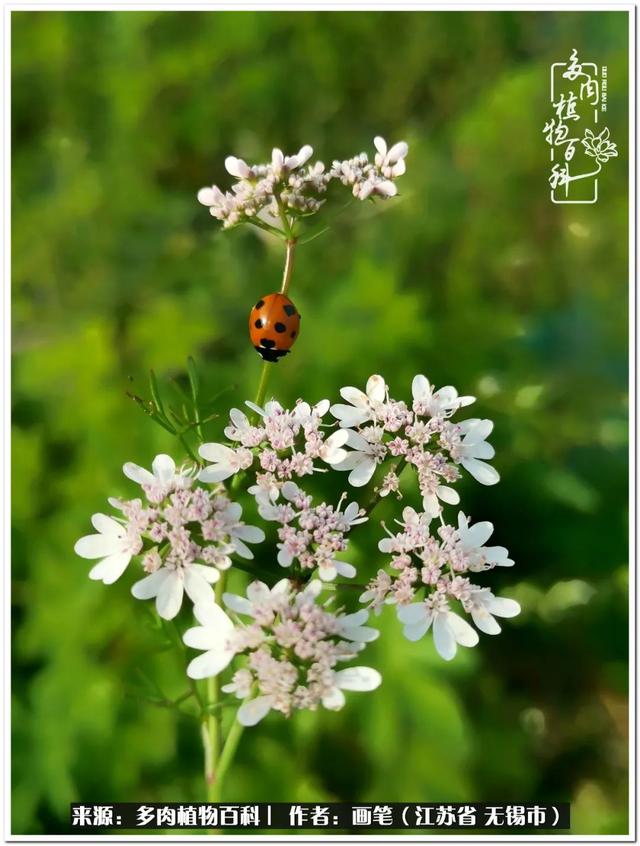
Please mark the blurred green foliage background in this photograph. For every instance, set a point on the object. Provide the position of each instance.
(472, 277)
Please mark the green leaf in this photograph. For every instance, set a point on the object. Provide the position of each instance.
(194, 379)
(155, 391)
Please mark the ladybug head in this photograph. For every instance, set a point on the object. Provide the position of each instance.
(270, 353)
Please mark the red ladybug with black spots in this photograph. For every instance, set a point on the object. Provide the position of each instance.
(274, 324)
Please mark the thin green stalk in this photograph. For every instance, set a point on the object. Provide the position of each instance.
(228, 753)
(288, 264)
(262, 387)
(211, 724)
(211, 738)
(261, 224)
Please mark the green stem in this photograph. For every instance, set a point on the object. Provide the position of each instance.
(261, 224)
(262, 387)
(212, 723)
(288, 264)
(212, 738)
(228, 753)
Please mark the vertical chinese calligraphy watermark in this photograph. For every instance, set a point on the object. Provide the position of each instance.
(578, 151)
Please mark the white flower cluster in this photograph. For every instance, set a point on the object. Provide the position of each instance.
(422, 563)
(423, 436)
(285, 442)
(288, 185)
(187, 529)
(311, 535)
(373, 429)
(291, 646)
(376, 178)
(185, 536)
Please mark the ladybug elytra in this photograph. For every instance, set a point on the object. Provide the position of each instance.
(274, 324)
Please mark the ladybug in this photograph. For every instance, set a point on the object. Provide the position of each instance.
(274, 324)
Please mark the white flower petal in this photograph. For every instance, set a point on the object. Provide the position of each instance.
(237, 167)
(110, 568)
(360, 634)
(447, 494)
(97, 546)
(206, 196)
(210, 574)
(241, 548)
(313, 589)
(358, 678)
(362, 472)
(212, 616)
(358, 618)
(236, 603)
(415, 631)
(251, 534)
(398, 151)
(386, 188)
(138, 474)
(503, 607)
(483, 473)
(327, 572)
(478, 534)
(200, 637)
(283, 586)
(498, 555)
(464, 634)
(215, 473)
(376, 388)
(217, 453)
(484, 621)
(414, 613)
(169, 598)
(346, 570)
(481, 450)
(164, 467)
(349, 415)
(304, 154)
(354, 396)
(254, 710)
(334, 700)
(476, 430)
(420, 387)
(381, 145)
(285, 558)
(197, 587)
(148, 587)
(107, 525)
(209, 664)
(443, 637)
(258, 592)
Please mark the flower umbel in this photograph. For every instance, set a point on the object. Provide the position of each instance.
(188, 535)
(289, 185)
(291, 646)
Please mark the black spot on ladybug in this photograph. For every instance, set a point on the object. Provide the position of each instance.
(259, 304)
(259, 323)
(290, 310)
(293, 334)
(271, 355)
(280, 328)
(267, 343)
